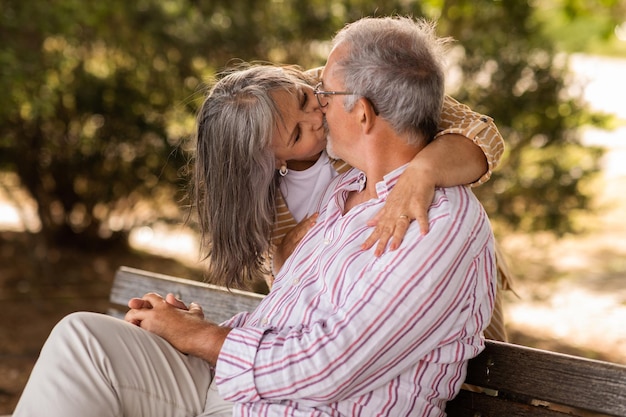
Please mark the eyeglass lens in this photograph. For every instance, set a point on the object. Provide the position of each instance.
(322, 100)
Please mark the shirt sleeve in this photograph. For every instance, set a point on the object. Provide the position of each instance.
(237, 320)
(459, 119)
(395, 312)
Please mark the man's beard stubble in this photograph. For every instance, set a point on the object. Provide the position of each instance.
(329, 147)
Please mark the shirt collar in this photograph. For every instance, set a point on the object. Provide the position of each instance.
(384, 187)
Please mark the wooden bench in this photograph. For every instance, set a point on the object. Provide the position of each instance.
(514, 380)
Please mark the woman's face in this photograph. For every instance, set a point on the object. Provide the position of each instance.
(301, 136)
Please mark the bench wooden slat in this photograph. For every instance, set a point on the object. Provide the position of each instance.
(218, 303)
(523, 381)
(558, 378)
(476, 404)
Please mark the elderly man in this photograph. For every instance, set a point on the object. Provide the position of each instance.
(342, 332)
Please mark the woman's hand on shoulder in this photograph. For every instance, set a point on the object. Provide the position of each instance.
(409, 200)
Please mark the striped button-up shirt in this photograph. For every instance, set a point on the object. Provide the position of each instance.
(344, 333)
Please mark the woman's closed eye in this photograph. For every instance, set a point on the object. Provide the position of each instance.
(297, 134)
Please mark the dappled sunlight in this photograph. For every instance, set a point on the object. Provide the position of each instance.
(573, 290)
(620, 32)
(575, 316)
(18, 211)
(602, 78)
(169, 241)
(10, 218)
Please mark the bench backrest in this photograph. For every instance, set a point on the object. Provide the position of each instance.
(515, 381)
(217, 302)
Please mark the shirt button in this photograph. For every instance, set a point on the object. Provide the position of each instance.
(326, 241)
(296, 281)
(264, 321)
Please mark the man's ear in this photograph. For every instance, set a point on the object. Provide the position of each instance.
(367, 114)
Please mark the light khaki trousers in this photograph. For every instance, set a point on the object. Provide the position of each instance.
(100, 366)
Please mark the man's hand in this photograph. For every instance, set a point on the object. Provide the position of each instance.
(183, 327)
(172, 300)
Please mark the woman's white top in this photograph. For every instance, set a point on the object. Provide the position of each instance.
(302, 190)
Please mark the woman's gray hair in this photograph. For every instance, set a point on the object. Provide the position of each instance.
(235, 182)
(397, 64)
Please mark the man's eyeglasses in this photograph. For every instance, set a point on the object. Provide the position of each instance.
(322, 96)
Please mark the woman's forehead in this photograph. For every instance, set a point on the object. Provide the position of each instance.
(287, 101)
(287, 105)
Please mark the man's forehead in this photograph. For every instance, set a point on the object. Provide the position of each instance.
(330, 72)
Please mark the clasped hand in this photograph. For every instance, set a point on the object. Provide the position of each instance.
(184, 327)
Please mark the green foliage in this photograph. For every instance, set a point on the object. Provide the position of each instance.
(98, 97)
(589, 26)
(512, 73)
(87, 114)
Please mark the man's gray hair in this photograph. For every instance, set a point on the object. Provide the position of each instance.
(397, 64)
(234, 184)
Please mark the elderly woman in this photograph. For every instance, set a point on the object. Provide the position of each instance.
(261, 167)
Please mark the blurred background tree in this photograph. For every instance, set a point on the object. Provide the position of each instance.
(98, 98)
(512, 72)
(590, 26)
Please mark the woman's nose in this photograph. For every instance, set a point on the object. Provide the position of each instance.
(316, 117)
(315, 110)
(313, 106)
